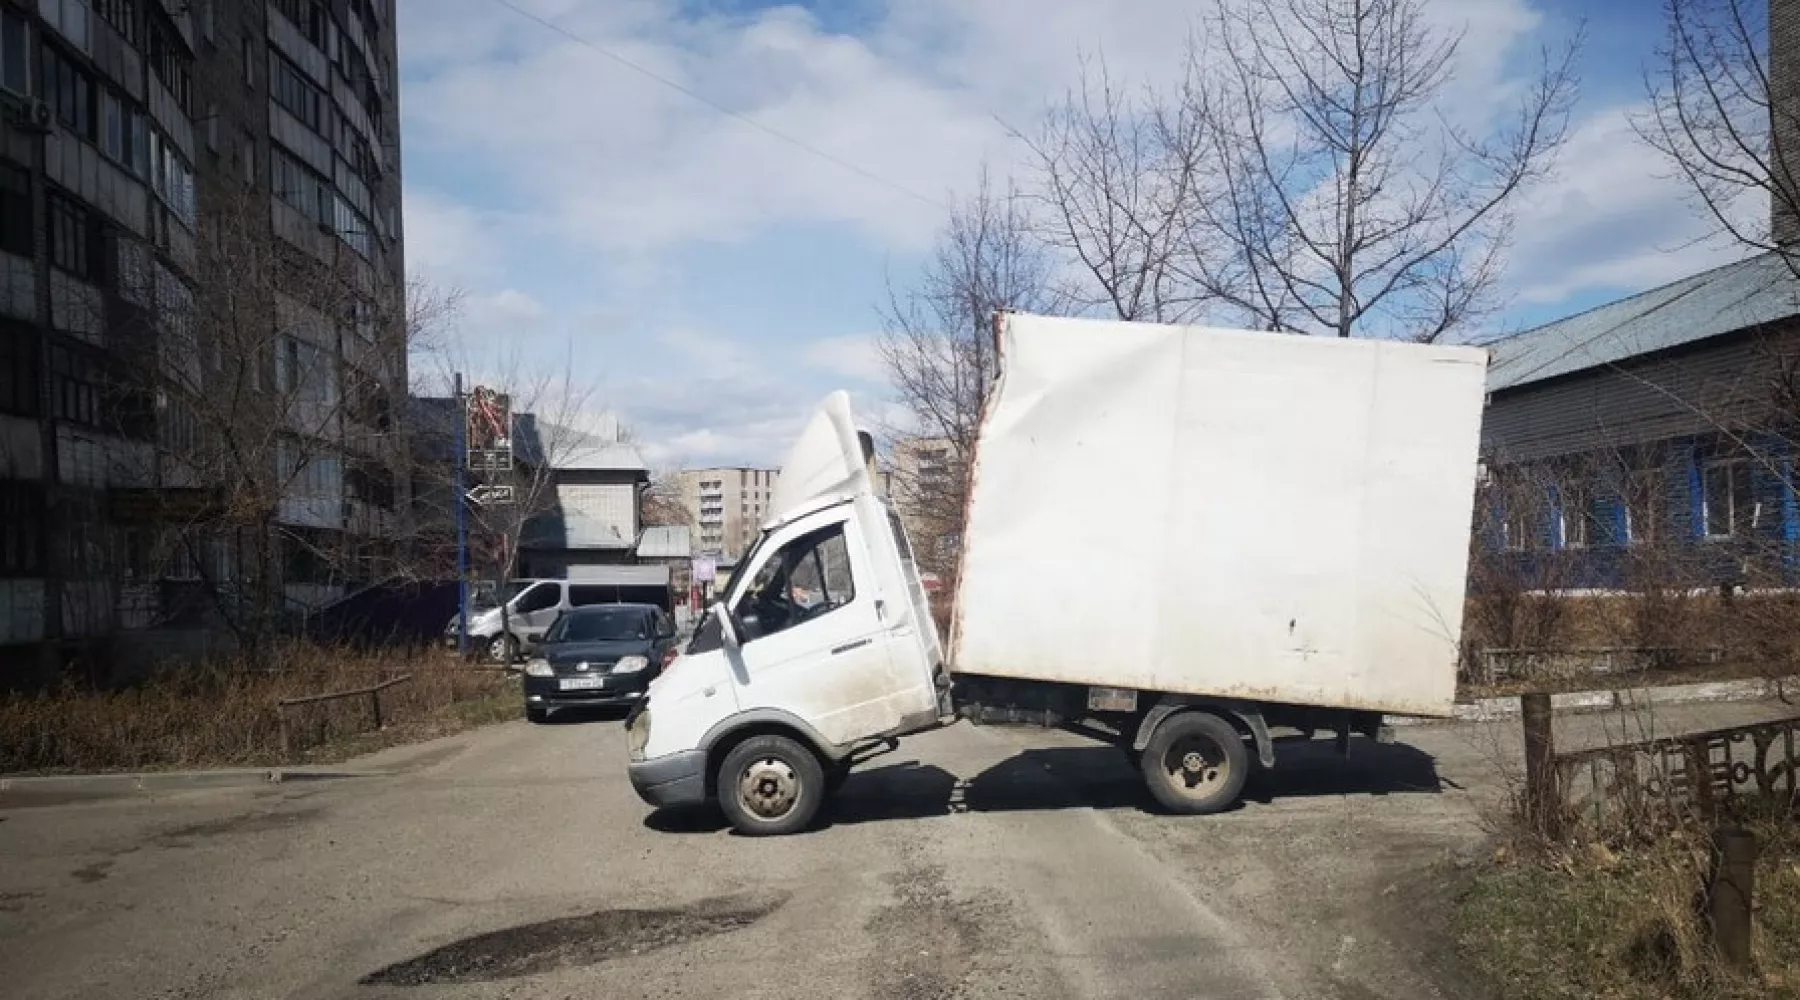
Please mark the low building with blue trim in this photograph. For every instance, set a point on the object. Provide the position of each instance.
(1655, 434)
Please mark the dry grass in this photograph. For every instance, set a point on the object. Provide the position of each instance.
(225, 714)
(1627, 924)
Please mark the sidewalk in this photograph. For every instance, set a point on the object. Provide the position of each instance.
(1491, 709)
(58, 789)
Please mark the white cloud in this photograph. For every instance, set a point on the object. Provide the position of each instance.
(560, 152)
(1613, 220)
(850, 357)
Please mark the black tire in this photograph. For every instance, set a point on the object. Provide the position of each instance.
(537, 714)
(769, 786)
(503, 649)
(1195, 764)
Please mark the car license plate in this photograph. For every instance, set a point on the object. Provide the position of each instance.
(581, 683)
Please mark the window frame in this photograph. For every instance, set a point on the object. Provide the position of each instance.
(1734, 524)
(784, 561)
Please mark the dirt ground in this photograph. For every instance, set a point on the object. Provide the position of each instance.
(515, 861)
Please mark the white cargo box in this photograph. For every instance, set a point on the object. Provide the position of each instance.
(1214, 512)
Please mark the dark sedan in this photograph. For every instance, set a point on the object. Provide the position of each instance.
(598, 655)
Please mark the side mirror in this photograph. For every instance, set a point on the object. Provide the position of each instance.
(728, 633)
(534, 637)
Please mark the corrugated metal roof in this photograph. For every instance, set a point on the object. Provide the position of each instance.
(1748, 293)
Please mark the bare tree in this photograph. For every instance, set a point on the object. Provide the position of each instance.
(267, 402)
(663, 502)
(1115, 178)
(937, 343)
(1344, 197)
(1726, 116)
(551, 428)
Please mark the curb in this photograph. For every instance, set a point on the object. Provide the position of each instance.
(61, 788)
(1494, 709)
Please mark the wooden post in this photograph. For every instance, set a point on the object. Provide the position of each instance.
(1543, 800)
(1729, 894)
(282, 723)
(375, 705)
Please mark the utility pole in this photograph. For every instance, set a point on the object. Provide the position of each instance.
(462, 519)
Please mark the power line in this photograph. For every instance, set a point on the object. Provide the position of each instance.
(799, 144)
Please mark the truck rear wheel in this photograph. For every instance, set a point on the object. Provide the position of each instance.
(1195, 763)
(770, 785)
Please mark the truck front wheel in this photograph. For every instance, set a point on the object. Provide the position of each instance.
(1195, 763)
(770, 785)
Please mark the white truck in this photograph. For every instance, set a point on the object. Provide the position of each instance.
(1179, 538)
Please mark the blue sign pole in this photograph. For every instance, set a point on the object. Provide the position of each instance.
(462, 521)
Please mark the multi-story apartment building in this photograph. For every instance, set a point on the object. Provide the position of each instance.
(923, 481)
(201, 301)
(728, 506)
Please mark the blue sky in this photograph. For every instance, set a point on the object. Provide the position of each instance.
(708, 282)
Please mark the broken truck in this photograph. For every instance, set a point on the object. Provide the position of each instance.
(1281, 521)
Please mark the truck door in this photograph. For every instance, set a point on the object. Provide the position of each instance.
(812, 641)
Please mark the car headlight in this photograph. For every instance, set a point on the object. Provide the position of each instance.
(630, 664)
(539, 667)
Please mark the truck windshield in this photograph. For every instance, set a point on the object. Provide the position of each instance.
(605, 625)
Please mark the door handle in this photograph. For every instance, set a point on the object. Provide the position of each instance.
(848, 646)
(880, 610)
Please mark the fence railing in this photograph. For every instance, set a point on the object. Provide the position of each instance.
(1497, 665)
(284, 707)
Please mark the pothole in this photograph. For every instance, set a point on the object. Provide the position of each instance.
(569, 942)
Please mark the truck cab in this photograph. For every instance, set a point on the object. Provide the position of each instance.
(823, 645)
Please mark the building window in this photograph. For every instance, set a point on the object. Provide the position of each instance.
(15, 210)
(249, 57)
(172, 178)
(123, 16)
(77, 383)
(304, 371)
(1728, 506)
(294, 92)
(18, 371)
(170, 61)
(70, 236)
(296, 184)
(122, 131)
(69, 92)
(15, 52)
(1575, 515)
(306, 17)
(21, 529)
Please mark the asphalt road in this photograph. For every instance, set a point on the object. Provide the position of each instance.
(516, 862)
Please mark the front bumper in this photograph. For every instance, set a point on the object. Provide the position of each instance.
(677, 779)
(620, 689)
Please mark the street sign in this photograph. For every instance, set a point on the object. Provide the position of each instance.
(705, 570)
(488, 494)
(488, 427)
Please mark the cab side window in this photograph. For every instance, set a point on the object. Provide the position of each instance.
(809, 578)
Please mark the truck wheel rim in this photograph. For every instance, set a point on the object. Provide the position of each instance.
(769, 787)
(1197, 766)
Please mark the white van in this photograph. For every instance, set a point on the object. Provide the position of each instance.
(1299, 506)
(829, 636)
(533, 605)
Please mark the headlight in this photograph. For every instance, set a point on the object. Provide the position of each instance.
(630, 665)
(539, 667)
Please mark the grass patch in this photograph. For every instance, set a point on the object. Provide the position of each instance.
(225, 714)
(1627, 924)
